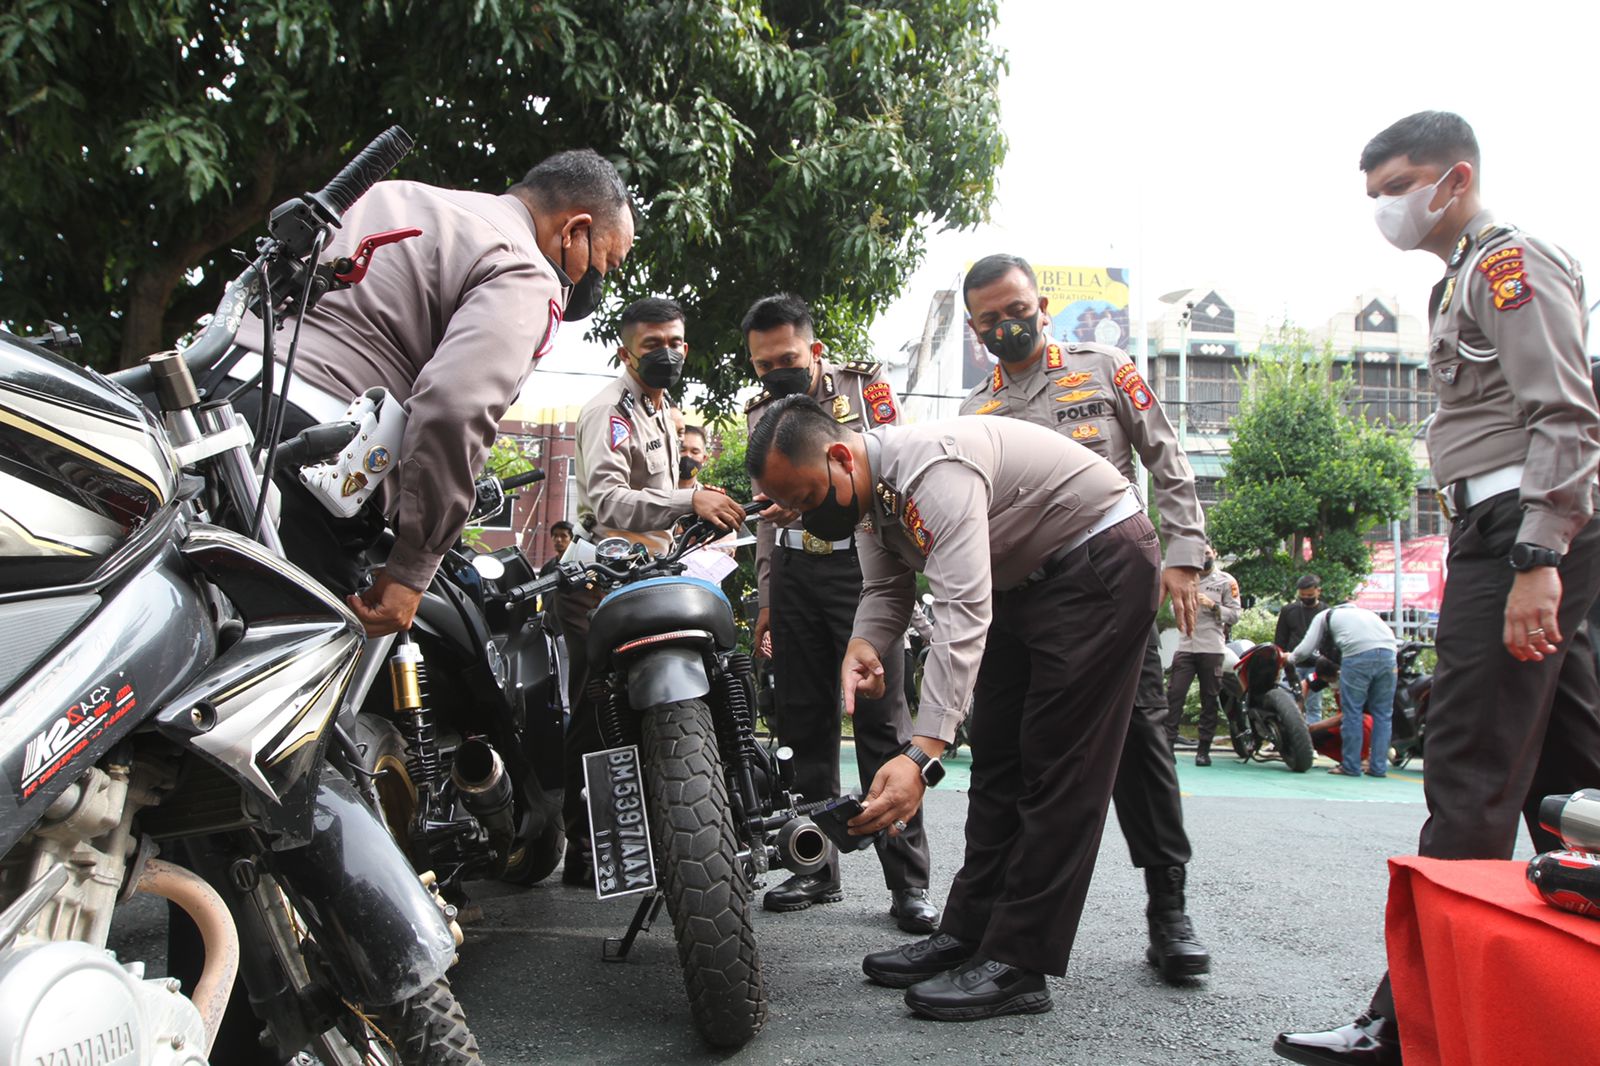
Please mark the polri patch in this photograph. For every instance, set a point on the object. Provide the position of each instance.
(1128, 380)
(620, 431)
(879, 398)
(1508, 278)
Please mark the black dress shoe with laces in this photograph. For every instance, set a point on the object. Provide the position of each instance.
(911, 911)
(1367, 1041)
(983, 989)
(904, 966)
(801, 891)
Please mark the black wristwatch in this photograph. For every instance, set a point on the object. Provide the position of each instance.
(1525, 557)
(932, 769)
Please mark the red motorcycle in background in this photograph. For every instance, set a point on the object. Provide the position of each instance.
(1412, 690)
(1263, 715)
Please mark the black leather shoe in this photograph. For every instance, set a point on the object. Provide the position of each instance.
(1367, 1041)
(911, 911)
(904, 966)
(1202, 758)
(983, 989)
(1174, 948)
(801, 891)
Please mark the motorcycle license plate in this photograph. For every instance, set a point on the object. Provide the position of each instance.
(618, 828)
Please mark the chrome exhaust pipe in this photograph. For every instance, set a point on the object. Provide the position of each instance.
(801, 847)
(479, 774)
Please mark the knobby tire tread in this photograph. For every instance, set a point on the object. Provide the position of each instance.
(1294, 737)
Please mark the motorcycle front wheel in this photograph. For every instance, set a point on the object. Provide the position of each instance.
(697, 862)
(1294, 739)
(429, 1029)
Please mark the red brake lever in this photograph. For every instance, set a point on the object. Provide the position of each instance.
(362, 259)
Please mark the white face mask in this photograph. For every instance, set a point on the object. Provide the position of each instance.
(1405, 220)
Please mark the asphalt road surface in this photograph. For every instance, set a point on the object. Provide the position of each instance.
(1287, 887)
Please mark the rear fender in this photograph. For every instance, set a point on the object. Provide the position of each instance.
(667, 674)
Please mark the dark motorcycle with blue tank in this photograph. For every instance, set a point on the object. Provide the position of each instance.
(169, 722)
(686, 805)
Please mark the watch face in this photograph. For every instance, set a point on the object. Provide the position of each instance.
(933, 773)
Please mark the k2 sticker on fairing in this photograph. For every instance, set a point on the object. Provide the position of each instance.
(71, 732)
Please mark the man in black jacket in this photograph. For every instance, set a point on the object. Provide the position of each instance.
(1294, 619)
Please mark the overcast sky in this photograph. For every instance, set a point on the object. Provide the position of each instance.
(1216, 144)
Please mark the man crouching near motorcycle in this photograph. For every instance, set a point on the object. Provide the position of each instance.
(450, 322)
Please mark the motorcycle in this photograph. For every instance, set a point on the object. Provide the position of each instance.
(686, 806)
(1412, 692)
(168, 721)
(468, 771)
(1264, 719)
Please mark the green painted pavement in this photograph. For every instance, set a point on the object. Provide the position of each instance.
(1227, 776)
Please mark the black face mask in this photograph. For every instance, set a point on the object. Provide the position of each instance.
(788, 380)
(1012, 340)
(688, 468)
(584, 297)
(832, 520)
(1207, 566)
(661, 368)
(1310, 602)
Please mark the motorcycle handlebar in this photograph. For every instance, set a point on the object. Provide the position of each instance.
(363, 172)
(517, 481)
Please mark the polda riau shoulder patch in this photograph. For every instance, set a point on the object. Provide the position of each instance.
(1508, 277)
(1128, 380)
(879, 398)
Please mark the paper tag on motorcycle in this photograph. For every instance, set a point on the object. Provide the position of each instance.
(618, 829)
(344, 484)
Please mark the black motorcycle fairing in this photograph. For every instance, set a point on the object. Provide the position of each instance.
(383, 934)
(30, 629)
(658, 606)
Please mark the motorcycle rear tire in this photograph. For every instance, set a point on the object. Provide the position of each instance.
(1294, 739)
(1239, 733)
(691, 826)
(541, 855)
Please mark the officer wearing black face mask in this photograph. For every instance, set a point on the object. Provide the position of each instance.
(810, 583)
(627, 470)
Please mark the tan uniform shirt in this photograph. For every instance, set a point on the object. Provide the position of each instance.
(857, 395)
(1093, 394)
(977, 504)
(628, 465)
(1506, 356)
(1223, 591)
(450, 323)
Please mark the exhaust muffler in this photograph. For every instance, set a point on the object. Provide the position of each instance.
(800, 846)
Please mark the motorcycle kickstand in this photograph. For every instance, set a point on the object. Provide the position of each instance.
(615, 949)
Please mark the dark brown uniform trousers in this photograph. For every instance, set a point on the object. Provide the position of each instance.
(1054, 696)
(813, 610)
(1149, 808)
(1504, 734)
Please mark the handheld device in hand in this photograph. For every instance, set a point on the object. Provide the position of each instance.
(833, 818)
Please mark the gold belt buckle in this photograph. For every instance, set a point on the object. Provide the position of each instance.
(815, 545)
(1444, 503)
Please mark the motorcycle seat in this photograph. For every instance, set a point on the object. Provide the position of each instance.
(660, 605)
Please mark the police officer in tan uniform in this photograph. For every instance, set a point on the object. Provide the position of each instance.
(1515, 445)
(627, 469)
(1199, 655)
(1093, 394)
(809, 589)
(1042, 564)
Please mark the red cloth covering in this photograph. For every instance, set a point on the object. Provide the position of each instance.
(1484, 972)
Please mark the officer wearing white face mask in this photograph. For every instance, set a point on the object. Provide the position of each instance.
(1514, 445)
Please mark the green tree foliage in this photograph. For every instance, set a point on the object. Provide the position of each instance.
(1304, 472)
(799, 144)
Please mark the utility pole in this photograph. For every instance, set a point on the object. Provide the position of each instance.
(1184, 321)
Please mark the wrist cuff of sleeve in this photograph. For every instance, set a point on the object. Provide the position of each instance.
(412, 567)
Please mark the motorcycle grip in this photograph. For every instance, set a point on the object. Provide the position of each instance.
(516, 481)
(364, 171)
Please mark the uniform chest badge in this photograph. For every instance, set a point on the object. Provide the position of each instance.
(1449, 291)
(841, 409)
(1088, 432)
(377, 460)
(888, 499)
(919, 533)
(989, 408)
(1128, 380)
(1077, 394)
(879, 398)
(1073, 380)
(1053, 358)
(1446, 373)
(620, 431)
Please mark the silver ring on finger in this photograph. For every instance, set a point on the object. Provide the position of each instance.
(900, 825)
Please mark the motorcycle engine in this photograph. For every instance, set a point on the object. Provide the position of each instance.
(66, 1002)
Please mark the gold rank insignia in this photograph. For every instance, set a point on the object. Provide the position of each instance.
(989, 408)
(1053, 359)
(1461, 250)
(1073, 380)
(999, 379)
(1086, 432)
(1449, 291)
(1077, 394)
(841, 409)
(888, 499)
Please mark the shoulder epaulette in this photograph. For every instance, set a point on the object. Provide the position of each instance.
(625, 404)
(867, 367)
(1493, 232)
(757, 400)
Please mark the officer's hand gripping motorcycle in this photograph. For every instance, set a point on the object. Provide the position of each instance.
(685, 804)
(168, 719)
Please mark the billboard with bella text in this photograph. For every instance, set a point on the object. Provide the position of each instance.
(1083, 303)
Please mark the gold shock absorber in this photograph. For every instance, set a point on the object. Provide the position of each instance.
(404, 681)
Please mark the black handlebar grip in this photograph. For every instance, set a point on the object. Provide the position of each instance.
(755, 507)
(516, 481)
(363, 172)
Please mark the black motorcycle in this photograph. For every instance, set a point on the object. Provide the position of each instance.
(1264, 720)
(1412, 692)
(168, 723)
(685, 792)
